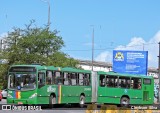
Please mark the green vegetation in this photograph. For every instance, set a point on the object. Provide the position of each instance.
(33, 45)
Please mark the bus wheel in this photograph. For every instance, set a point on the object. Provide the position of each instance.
(52, 101)
(124, 102)
(82, 101)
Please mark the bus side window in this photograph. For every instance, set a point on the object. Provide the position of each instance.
(136, 83)
(58, 78)
(49, 77)
(102, 80)
(80, 79)
(41, 78)
(65, 77)
(111, 81)
(86, 79)
(124, 82)
(73, 78)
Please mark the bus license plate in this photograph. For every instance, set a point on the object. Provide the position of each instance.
(20, 103)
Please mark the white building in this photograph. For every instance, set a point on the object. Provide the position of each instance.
(107, 66)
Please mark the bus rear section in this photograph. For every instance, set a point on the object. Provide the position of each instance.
(124, 89)
(148, 90)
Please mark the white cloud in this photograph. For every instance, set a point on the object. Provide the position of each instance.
(137, 43)
(104, 56)
(3, 35)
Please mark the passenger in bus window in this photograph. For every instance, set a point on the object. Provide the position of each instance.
(132, 84)
(102, 80)
(128, 84)
(49, 80)
(86, 80)
(109, 82)
(122, 84)
(69, 79)
(139, 85)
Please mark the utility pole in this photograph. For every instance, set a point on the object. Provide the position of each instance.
(159, 73)
(92, 47)
(48, 2)
(48, 14)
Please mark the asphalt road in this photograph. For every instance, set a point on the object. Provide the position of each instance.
(62, 109)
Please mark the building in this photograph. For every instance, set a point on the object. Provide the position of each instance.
(97, 66)
(107, 66)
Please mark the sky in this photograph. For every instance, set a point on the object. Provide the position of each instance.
(117, 24)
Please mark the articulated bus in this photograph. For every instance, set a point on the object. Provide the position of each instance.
(37, 84)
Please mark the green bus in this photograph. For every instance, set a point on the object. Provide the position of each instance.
(37, 84)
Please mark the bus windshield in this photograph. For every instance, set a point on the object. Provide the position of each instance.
(22, 81)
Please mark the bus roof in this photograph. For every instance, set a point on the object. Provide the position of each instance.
(123, 74)
(70, 69)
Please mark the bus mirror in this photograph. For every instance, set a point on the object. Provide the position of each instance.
(21, 84)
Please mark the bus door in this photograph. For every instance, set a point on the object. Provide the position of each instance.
(148, 91)
(136, 91)
(70, 90)
(101, 89)
(113, 93)
(41, 92)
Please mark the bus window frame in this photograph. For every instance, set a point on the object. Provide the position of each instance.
(60, 79)
(139, 83)
(80, 80)
(52, 77)
(66, 78)
(111, 81)
(147, 83)
(102, 81)
(43, 79)
(125, 80)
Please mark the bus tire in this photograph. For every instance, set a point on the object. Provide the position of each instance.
(82, 101)
(52, 101)
(124, 102)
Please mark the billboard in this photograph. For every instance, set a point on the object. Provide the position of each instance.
(133, 62)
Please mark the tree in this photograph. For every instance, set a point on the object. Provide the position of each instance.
(35, 45)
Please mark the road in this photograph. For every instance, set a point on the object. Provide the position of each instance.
(64, 109)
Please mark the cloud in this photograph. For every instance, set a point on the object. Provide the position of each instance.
(3, 35)
(104, 56)
(139, 44)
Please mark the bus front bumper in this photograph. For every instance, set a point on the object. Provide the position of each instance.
(21, 101)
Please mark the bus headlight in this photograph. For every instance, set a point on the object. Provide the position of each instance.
(34, 95)
(9, 96)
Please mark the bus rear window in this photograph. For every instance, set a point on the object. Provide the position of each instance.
(147, 81)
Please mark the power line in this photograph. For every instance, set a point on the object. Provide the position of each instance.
(100, 49)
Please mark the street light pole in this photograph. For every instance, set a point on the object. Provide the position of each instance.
(48, 2)
(92, 47)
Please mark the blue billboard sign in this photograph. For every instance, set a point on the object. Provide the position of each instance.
(132, 62)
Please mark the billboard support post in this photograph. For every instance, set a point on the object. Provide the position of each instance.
(159, 73)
